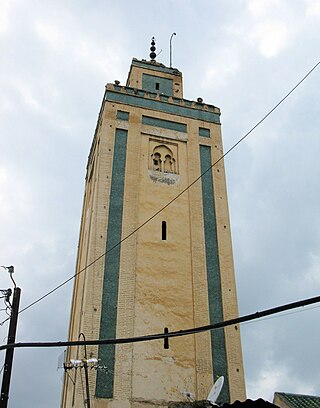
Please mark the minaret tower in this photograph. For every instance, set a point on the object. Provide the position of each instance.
(174, 273)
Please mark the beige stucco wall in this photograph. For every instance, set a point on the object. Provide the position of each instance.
(161, 283)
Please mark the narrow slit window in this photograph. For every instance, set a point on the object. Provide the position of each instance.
(157, 86)
(166, 339)
(164, 231)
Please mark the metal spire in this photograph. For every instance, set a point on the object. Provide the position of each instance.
(171, 48)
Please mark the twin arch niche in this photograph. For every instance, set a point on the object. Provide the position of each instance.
(163, 160)
(163, 165)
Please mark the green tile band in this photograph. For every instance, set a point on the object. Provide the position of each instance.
(108, 323)
(166, 124)
(142, 102)
(218, 345)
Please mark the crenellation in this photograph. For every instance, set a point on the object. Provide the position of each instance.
(164, 98)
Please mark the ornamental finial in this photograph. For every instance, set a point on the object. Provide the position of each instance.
(153, 49)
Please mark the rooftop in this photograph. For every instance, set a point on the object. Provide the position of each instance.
(299, 400)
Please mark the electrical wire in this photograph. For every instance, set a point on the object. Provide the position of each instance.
(175, 198)
(178, 333)
(283, 315)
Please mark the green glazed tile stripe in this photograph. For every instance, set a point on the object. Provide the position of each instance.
(218, 346)
(166, 124)
(108, 323)
(160, 106)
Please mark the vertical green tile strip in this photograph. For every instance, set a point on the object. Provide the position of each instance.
(108, 324)
(218, 345)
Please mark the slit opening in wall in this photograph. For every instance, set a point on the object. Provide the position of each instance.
(157, 86)
(164, 231)
(166, 339)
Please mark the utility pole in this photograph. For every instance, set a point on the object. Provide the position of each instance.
(85, 365)
(9, 353)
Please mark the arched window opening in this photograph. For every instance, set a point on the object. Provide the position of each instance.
(164, 231)
(174, 167)
(168, 164)
(157, 162)
(163, 160)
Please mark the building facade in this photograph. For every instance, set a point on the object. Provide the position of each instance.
(174, 267)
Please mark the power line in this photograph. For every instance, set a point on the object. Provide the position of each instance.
(179, 333)
(285, 314)
(175, 198)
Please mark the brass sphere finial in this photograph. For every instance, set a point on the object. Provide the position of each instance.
(153, 49)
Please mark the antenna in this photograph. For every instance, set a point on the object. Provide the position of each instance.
(215, 390)
(171, 48)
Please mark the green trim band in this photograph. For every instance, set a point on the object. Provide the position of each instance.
(218, 345)
(108, 323)
(166, 107)
(166, 124)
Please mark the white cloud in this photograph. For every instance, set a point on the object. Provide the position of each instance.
(223, 67)
(259, 8)
(15, 196)
(313, 8)
(76, 48)
(5, 10)
(50, 34)
(28, 95)
(3, 176)
(305, 282)
(6, 105)
(270, 37)
(275, 377)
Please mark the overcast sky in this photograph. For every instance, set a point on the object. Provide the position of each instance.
(240, 55)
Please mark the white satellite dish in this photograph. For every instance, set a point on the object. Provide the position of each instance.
(215, 390)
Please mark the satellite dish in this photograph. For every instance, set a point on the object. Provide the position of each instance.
(215, 390)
